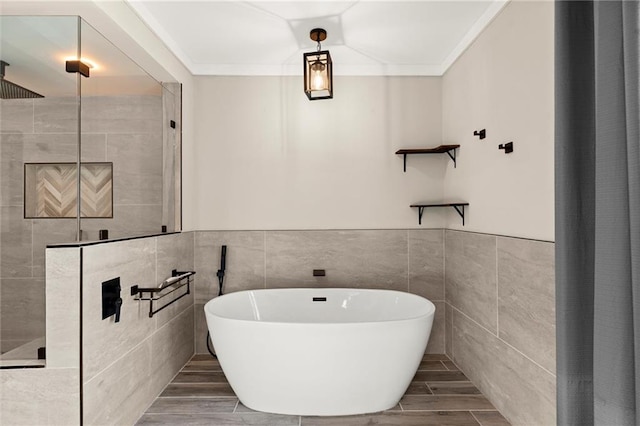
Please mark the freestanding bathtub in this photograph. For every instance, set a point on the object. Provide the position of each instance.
(322, 352)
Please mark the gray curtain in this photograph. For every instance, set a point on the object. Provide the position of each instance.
(598, 212)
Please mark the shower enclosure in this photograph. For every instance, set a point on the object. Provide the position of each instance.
(77, 117)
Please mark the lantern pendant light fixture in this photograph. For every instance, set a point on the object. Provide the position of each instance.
(318, 69)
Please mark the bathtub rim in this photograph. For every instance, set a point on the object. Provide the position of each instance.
(430, 306)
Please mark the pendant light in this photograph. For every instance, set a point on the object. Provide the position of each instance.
(318, 69)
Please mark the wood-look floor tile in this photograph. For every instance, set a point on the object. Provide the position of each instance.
(445, 403)
(440, 376)
(198, 390)
(432, 366)
(192, 405)
(490, 418)
(219, 419)
(200, 377)
(418, 388)
(202, 366)
(453, 388)
(203, 357)
(435, 357)
(459, 418)
(450, 365)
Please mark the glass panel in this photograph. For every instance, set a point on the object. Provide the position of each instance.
(32, 130)
(125, 120)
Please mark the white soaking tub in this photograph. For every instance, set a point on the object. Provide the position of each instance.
(319, 352)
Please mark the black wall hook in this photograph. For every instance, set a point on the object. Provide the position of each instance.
(508, 147)
(480, 133)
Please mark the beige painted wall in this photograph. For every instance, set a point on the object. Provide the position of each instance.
(504, 83)
(268, 158)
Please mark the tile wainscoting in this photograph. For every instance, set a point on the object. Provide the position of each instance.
(494, 295)
(404, 260)
(500, 321)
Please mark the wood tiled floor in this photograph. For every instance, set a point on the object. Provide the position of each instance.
(439, 395)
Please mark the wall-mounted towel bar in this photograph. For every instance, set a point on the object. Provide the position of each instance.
(169, 286)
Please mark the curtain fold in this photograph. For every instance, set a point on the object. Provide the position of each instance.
(598, 212)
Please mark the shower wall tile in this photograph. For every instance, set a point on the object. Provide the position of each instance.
(137, 167)
(56, 115)
(16, 115)
(15, 243)
(17, 149)
(523, 392)
(245, 267)
(367, 259)
(526, 295)
(63, 308)
(122, 391)
(471, 279)
(11, 169)
(426, 263)
(104, 341)
(40, 396)
(49, 231)
(128, 221)
(127, 114)
(437, 338)
(22, 302)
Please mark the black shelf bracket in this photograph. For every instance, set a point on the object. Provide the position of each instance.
(459, 207)
(460, 210)
(452, 156)
(442, 149)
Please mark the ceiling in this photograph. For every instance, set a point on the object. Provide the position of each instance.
(366, 37)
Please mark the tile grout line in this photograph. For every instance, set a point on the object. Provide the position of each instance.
(264, 251)
(497, 294)
(506, 343)
(475, 418)
(408, 262)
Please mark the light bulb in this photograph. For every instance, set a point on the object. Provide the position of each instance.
(318, 79)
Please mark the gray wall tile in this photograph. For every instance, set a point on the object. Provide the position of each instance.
(137, 167)
(16, 115)
(56, 115)
(127, 114)
(121, 393)
(245, 262)
(448, 321)
(470, 276)
(426, 263)
(200, 326)
(523, 392)
(40, 396)
(22, 308)
(104, 341)
(63, 308)
(437, 337)
(364, 259)
(171, 346)
(15, 243)
(526, 295)
(49, 231)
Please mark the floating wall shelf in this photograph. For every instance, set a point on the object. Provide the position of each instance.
(442, 149)
(459, 206)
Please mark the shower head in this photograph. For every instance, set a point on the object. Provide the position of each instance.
(9, 90)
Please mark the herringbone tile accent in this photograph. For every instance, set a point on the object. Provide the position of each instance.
(55, 190)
